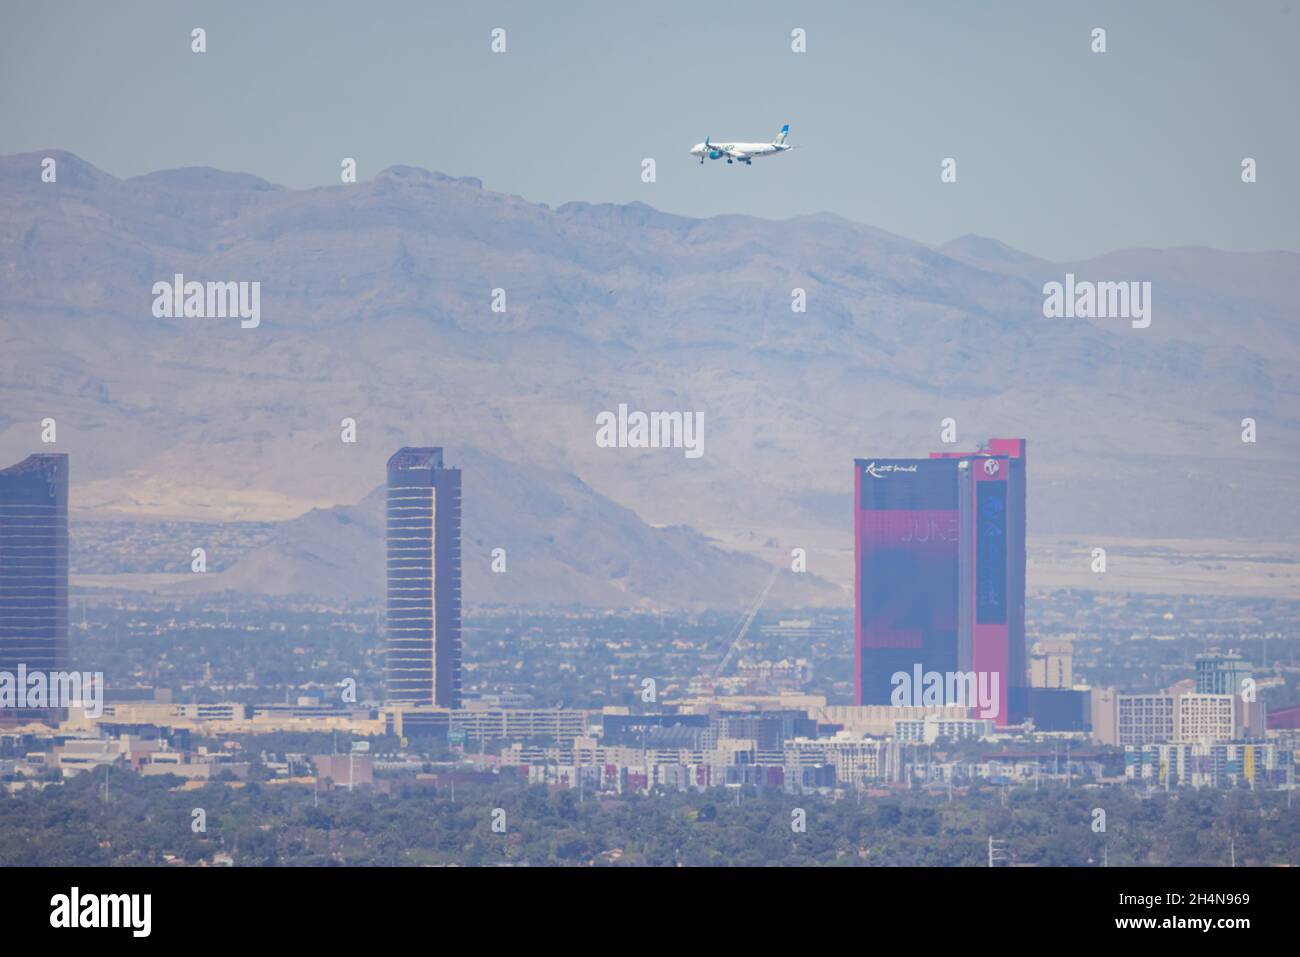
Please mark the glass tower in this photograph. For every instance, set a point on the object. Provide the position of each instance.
(34, 570)
(422, 660)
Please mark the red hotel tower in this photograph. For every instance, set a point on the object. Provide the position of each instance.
(940, 570)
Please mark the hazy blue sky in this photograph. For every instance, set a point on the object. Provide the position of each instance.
(1060, 151)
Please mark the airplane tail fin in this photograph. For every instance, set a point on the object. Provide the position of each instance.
(780, 137)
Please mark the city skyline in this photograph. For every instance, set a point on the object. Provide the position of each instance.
(629, 611)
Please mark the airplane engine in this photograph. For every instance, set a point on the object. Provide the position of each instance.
(715, 154)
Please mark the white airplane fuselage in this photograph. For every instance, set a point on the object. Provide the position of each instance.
(742, 152)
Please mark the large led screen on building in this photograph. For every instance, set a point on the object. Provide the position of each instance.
(991, 553)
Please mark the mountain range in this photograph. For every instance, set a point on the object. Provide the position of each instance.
(377, 305)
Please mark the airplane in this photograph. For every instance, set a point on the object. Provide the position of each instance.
(744, 152)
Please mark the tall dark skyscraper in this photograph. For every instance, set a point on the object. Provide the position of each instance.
(34, 568)
(422, 663)
(940, 571)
